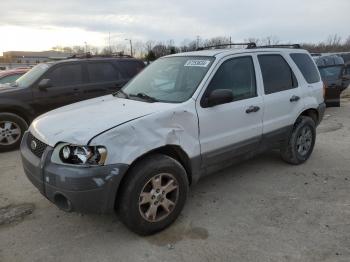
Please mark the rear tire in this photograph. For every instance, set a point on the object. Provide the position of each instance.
(301, 141)
(153, 194)
(12, 128)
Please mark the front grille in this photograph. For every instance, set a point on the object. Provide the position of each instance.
(40, 147)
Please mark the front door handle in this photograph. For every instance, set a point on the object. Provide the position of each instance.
(294, 99)
(252, 109)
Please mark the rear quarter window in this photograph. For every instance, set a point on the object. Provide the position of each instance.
(307, 67)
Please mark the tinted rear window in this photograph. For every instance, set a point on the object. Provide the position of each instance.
(102, 72)
(307, 67)
(277, 75)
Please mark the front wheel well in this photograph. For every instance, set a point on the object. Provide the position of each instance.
(16, 112)
(173, 151)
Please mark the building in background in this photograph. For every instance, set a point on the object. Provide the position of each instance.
(14, 59)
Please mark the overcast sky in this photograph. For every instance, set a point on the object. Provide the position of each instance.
(40, 25)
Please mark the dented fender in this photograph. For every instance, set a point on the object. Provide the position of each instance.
(175, 126)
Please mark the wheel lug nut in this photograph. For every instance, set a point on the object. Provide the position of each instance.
(157, 190)
(156, 202)
(163, 192)
(153, 197)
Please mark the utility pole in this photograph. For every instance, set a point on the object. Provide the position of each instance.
(85, 47)
(130, 46)
(197, 43)
(109, 42)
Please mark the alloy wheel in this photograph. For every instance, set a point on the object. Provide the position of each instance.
(158, 197)
(304, 140)
(10, 133)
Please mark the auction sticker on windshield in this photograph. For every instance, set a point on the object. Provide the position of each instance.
(200, 63)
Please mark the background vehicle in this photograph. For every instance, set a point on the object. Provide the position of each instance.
(335, 77)
(185, 116)
(51, 85)
(9, 76)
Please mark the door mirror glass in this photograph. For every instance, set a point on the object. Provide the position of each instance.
(218, 97)
(44, 83)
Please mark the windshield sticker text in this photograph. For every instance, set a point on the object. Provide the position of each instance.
(200, 63)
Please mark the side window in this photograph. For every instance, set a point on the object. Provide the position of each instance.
(307, 67)
(102, 72)
(131, 68)
(9, 79)
(238, 75)
(276, 73)
(66, 75)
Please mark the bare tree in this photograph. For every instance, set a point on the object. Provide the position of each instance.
(333, 40)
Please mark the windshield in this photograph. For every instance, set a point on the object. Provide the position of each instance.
(170, 79)
(31, 76)
(330, 73)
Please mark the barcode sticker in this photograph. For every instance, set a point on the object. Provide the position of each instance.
(200, 63)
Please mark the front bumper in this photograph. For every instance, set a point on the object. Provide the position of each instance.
(86, 189)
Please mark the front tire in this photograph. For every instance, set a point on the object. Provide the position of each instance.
(153, 194)
(301, 141)
(12, 128)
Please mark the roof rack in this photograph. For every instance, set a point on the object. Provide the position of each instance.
(249, 45)
(296, 46)
(89, 55)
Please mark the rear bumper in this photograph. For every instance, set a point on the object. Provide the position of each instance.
(82, 189)
(321, 109)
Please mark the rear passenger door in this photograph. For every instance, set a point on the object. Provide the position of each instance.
(103, 78)
(282, 96)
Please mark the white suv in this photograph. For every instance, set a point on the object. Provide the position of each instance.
(184, 116)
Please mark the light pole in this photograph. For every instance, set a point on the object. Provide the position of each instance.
(130, 45)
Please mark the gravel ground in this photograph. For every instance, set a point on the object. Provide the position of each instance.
(260, 210)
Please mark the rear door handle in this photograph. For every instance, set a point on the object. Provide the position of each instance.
(252, 109)
(294, 99)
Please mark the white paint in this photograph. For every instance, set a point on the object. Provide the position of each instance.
(131, 128)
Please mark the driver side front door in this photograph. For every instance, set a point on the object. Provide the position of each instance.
(66, 83)
(230, 130)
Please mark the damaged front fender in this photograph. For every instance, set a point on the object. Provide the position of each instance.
(177, 126)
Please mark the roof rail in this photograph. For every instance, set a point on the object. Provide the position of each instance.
(296, 46)
(249, 45)
(89, 55)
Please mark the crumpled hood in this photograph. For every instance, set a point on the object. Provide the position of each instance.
(79, 122)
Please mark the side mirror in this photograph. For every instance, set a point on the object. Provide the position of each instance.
(44, 83)
(218, 97)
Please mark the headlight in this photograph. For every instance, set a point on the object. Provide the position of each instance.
(82, 155)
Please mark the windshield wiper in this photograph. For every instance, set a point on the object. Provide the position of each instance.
(120, 91)
(145, 97)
